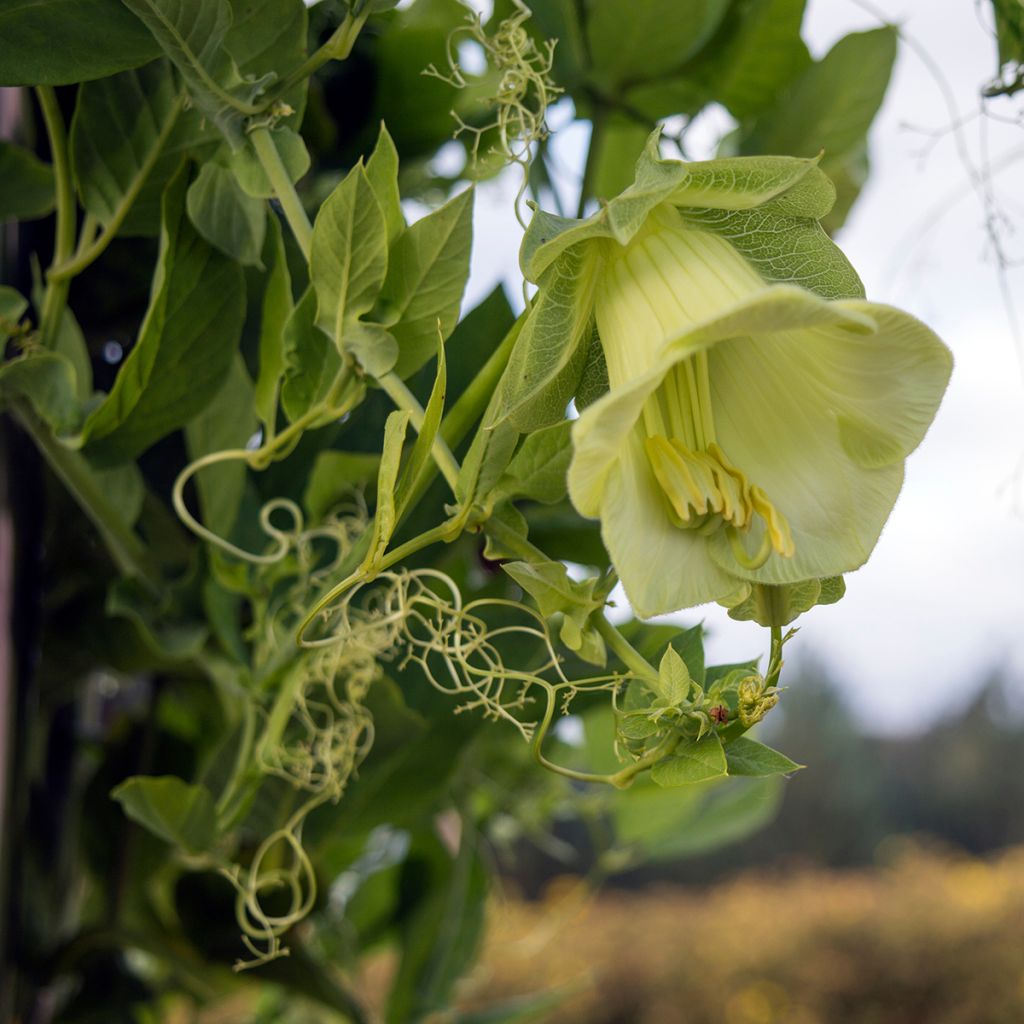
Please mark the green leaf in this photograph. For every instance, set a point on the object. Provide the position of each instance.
(672, 824)
(69, 342)
(225, 216)
(373, 347)
(12, 306)
(651, 38)
(652, 639)
(416, 109)
(594, 378)
(507, 515)
(639, 727)
(692, 761)
(548, 357)
(185, 346)
(47, 381)
(227, 422)
(619, 145)
(385, 517)
(723, 184)
(1009, 16)
(311, 360)
(128, 139)
(349, 259)
(170, 636)
(28, 184)
(124, 488)
(488, 456)
(784, 249)
(832, 104)
(441, 934)
(762, 56)
(673, 677)
(267, 41)
(382, 174)
(538, 469)
(427, 271)
(171, 809)
(748, 757)
(276, 309)
(58, 42)
(194, 34)
(475, 339)
(848, 173)
(335, 477)
(191, 33)
(833, 589)
(668, 97)
(550, 585)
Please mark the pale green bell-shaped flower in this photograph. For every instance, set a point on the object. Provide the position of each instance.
(752, 431)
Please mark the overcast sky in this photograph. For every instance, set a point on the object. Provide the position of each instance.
(942, 600)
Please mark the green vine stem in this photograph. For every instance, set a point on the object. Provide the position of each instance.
(125, 548)
(628, 654)
(621, 779)
(64, 238)
(445, 532)
(338, 47)
(277, 174)
(243, 763)
(335, 404)
(89, 249)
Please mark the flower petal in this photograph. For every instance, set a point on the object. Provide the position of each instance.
(886, 386)
(603, 425)
(779, 422)
(662, 568)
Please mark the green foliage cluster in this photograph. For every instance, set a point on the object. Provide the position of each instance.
(301, 478)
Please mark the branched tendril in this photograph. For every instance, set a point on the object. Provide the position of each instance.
(524, 90)
(418, 617)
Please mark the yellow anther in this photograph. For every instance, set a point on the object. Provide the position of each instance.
(775, 523)
(734, 486)
(684, 480)
(706, 492)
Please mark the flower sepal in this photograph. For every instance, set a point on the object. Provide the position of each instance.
(770, 605)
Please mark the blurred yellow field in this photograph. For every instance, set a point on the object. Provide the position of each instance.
(925, 937)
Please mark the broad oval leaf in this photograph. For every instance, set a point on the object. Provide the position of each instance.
(185, 347)
(745, 756)
(171, 809)
(427, 271)
(349, 258)
(28, 186)
(225, 216)
(57, 42)
(311, 360)
(693, 761)
(128, 139)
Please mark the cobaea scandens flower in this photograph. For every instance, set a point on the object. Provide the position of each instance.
(758, 410)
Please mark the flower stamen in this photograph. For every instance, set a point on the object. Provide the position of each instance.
(704, 490)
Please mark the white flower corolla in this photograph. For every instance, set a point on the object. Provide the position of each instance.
(753, 431)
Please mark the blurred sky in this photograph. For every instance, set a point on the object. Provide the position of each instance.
(941, 602)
